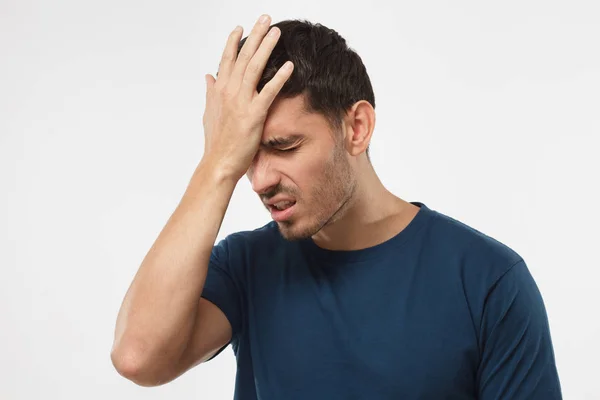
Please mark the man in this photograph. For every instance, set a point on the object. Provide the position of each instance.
(350, 292)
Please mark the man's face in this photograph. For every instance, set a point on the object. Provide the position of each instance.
(311, 170)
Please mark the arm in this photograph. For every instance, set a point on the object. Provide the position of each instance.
(517, 357)
(164, 327)
(162, 310)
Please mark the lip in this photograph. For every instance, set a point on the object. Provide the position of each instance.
(276, 200)
(280, 216)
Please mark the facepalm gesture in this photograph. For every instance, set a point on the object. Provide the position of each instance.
(235, 112)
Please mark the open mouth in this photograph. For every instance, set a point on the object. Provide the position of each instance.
(282, 210)
(282, 205)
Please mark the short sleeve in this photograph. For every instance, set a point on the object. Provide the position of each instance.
(517, 357)
(223, 289)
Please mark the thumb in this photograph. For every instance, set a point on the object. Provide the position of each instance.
(210, 81)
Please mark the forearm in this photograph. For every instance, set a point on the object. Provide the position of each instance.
(157, 316)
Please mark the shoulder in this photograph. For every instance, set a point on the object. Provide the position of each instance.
(478, 255)
(477, 264)
(261, 239)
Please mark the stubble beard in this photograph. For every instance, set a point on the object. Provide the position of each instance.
(330, 198)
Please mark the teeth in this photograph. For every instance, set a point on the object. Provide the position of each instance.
(282, 205)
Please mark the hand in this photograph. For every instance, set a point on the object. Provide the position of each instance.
(235, 112)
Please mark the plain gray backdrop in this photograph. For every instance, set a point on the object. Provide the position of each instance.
(486, 111)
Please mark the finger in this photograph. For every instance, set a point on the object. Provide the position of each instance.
(210, 81)
(257, 65)
(270, 91)
(248, 49)
(230, 53)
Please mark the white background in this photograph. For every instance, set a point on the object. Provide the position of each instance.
(487, 113)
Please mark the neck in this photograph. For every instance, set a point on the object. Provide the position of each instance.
(372, 216)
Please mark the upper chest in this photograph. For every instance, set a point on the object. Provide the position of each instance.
(391, 327)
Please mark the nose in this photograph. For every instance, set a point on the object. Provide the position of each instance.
(261, 173)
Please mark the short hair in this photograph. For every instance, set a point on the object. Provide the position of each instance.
(330, 74)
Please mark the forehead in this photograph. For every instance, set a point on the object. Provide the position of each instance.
(289, 116)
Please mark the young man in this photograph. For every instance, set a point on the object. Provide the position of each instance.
(350, 292)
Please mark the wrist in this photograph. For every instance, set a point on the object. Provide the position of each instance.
(217, 172)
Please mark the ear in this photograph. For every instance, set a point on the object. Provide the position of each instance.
(360, 123)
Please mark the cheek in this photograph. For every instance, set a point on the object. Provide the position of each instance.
(313, 175)
(321, 186)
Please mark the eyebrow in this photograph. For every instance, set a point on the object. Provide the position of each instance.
(282, 141)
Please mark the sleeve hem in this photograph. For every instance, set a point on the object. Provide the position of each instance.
(213, 298)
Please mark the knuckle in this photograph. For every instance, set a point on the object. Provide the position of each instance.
(225, 91)
(254, 68)
(244, 56)
(220, 90)
(267, 90)
(259, 111)
(227, 95)
(272, 88)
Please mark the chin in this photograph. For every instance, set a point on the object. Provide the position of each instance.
(294, 230)
(299, 228)
(291, 232)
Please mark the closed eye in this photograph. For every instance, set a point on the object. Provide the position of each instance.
(287, 150)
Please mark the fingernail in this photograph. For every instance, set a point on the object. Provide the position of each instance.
(263, 19)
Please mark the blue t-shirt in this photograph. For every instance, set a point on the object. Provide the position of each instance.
(440, 311)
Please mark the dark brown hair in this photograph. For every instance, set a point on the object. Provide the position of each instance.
(330, 74)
